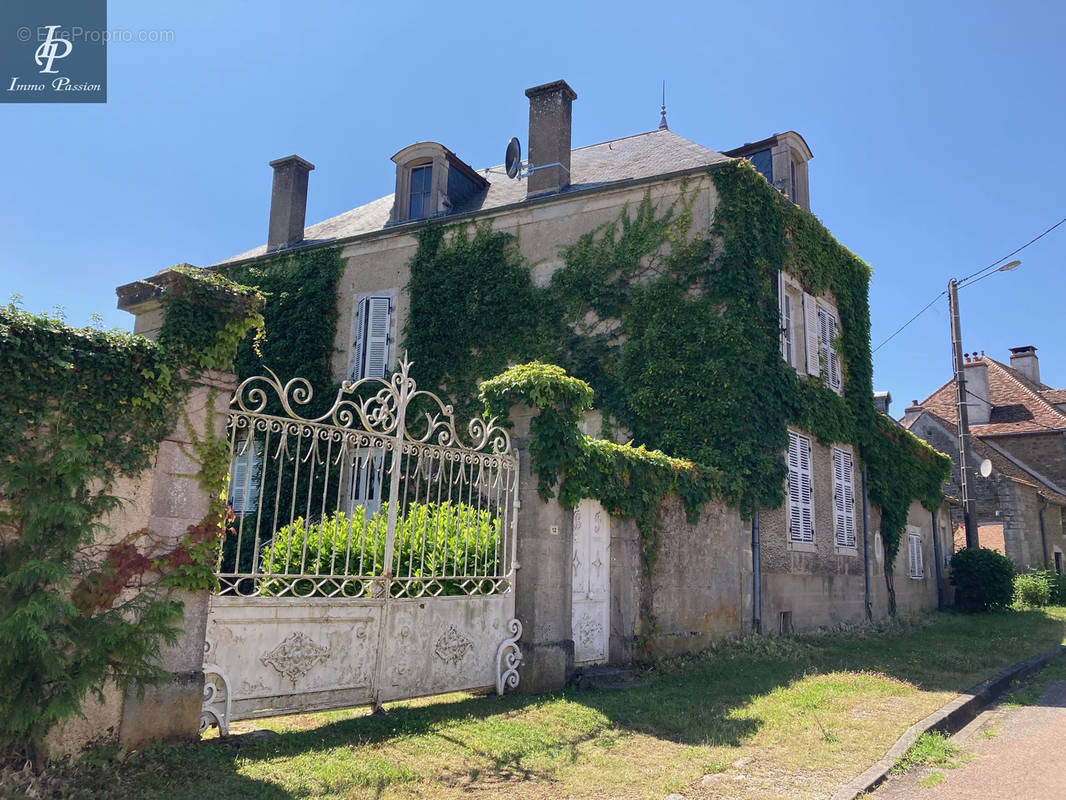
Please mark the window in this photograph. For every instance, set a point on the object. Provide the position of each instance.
(244, 473)
(419, 203)
(370, 358)
(785, 303)
(843, 498)
(366, 480)
(1058, 562)
(800, 507)
(914, 550)
(821, 329)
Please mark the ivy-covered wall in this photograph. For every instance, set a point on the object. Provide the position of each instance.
(676, 330)
(86, 415)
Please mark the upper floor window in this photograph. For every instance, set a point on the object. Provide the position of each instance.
(370, 356)
(418, 205)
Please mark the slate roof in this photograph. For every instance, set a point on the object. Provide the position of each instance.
(644, 155)
(1001, 462)
(1018, 404)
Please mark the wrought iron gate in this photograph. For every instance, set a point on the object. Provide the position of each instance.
(370, 554)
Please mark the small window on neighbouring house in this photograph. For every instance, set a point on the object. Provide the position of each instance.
(800, 507)
(418, 202)
(843, 498)
(914, 551)
(370, 358)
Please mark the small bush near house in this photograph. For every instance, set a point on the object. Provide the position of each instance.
(1033, 589)
(983, 579)
(433, 541)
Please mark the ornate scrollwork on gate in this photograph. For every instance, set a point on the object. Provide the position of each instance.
(508, 659)
(217, 700)
(381, 412)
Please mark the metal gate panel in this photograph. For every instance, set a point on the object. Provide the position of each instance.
(370, 554)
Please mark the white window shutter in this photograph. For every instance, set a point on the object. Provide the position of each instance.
(832, 359)
(849, 501)
(373, 317)
(358, 348)
(781, 300)
(794, 504)
(810, 329)
(377, 339)
(806, 490)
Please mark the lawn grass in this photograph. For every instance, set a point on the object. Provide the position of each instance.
(763, 717)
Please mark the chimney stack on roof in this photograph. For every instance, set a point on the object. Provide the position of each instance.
(978, 398)
(910, 412)
(1025, 361)
(288, 202)
(882, 400)
(549, 137)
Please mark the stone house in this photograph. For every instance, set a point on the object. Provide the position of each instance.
(1017, 424)
(583, 593)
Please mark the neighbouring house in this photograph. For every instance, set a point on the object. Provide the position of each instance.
(1017, 424)
(716, 320)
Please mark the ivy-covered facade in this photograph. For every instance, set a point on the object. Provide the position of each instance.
(722, 330)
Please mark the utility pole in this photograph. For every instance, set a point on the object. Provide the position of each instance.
(969, 513)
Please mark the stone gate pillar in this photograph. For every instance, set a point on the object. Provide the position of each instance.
(543, 583)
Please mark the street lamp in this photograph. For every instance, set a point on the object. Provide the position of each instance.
(965, 473)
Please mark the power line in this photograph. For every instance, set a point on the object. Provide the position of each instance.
(995, 263)
(908, 322)
(1000, 260)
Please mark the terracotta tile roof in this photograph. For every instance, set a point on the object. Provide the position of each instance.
(644, 155)
(1018, 404)
(1002, 463)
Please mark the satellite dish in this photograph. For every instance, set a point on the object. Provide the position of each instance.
(513, 159)
(985, 468)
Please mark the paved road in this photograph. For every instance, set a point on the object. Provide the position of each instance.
(1014, 753)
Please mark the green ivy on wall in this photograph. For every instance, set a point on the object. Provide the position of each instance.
(88, 408)
(678, 336)
(300, 317)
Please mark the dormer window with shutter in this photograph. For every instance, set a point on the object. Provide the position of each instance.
(370, 352)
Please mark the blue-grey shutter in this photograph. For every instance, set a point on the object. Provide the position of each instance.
(372, 321)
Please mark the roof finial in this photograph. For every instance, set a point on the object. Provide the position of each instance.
(662, 112)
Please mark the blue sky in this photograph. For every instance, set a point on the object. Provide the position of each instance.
(933, 125)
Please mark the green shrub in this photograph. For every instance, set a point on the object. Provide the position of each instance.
(1033, 589)
(436, 541)
(983, 579)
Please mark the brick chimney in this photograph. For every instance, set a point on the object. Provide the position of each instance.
(977, 395)
(549, 137)
(1025, 361)
(911, 412)
(288, 202)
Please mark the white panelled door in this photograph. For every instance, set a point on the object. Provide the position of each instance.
(591, 565)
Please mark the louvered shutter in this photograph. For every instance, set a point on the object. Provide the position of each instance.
(810, 330)
(781, 300)
(244, 479)
(843, 499)
(794, 513)
(914, 540)
(849, 500)
(806, 491)
(832, 360)
(372, 337)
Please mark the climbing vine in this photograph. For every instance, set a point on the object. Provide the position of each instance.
(677, 333)
(87, 410)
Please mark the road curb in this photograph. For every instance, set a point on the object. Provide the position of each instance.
(947, 719)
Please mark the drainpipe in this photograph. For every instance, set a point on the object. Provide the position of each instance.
(866, 547)
(1043, 532)
(938, 559)
(756, 576)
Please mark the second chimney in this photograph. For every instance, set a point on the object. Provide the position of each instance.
(978, 405)
(549, 137)
(1025, 361)
(288, 202)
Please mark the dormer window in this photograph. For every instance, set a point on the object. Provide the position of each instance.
(431, 181)
(420, 202)
(782, 160)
